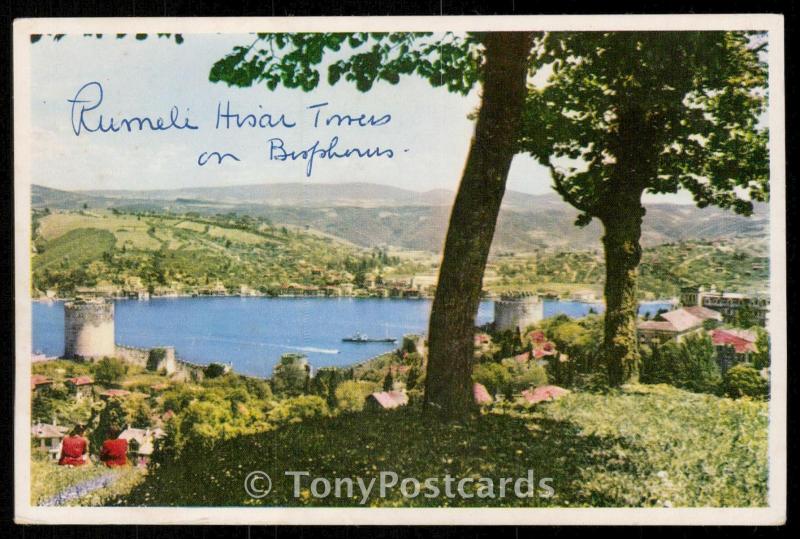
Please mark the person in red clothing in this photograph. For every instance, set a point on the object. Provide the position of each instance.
(74, 448)
(115, 450)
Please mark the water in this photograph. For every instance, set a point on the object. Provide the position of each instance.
(254, 332)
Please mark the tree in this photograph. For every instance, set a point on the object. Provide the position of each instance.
(743, 380)
(112, 418)
(110, 370)
(699, 370)
(290, 375)
(214, 370)
(627, 113)
(388, 380)
(761, 357)
(746, 316)
(500, 61)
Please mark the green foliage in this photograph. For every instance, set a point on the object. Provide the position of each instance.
(292, 60)
(691, 365)
(154, 357)
(351, 395)
(325, 382)
(190, 253)
(494, 376)
(643, 446)
(762, 355)
(110, 419)
(694, 99)
(699, 369)
(110, 370)
(746, 317)
(297, 409)
(214, 370)
(137, 411)
(62, 264)
(413, 379)
(291, 375)
(388, 381)
(743, 380)
(523, 376)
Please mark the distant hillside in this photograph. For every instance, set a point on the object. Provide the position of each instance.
(112, 250)
(375, 215)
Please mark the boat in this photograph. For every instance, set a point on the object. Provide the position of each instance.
(361, 338)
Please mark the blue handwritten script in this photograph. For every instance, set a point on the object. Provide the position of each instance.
(87, 116)
(278, 152)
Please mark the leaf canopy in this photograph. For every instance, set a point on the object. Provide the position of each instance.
(696, 100)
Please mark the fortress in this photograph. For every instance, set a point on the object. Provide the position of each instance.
(89, 329)
(517, 311)
(89, 336)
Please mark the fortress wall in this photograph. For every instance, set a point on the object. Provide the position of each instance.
(141, 357)
(89, 330)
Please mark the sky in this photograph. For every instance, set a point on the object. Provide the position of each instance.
(429, 131)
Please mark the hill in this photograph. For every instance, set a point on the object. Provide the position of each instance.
(373, 215)
(193, 253)
(112, 251)
(644, 446)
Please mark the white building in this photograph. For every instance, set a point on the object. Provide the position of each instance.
(727, 303)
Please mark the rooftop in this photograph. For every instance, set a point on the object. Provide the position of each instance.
(390, 399)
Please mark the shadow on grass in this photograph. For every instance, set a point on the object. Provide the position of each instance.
(404, 442)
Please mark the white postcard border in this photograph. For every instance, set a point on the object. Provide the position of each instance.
(25, 513)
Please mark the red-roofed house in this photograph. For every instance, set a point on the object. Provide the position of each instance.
(733, 346)
(80, 385)
(481, 394)
(386, 400)
(112, 393)
(523, 357)
(675, 325)
(40, 382)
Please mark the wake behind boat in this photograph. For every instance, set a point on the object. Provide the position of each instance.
(361, 338)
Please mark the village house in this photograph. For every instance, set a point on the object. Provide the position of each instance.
(386, 400)
(141, 443)
(733, 346)
(49, 438)
(481, 395)
(675, 325)
(40, 382)
(114, 393)
(727, 303)
(80, 386)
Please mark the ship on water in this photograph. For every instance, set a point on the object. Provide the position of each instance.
(361, 338)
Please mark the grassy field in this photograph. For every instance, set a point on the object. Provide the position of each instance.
(643, 446)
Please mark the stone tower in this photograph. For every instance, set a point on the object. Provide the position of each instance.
(517, 311)
(89, 329)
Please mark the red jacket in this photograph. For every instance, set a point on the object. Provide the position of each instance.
(73, 449)
(114, 452)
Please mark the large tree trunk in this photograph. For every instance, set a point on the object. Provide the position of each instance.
(448, 387)
(623, 252)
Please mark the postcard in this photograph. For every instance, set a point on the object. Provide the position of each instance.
(446, 270)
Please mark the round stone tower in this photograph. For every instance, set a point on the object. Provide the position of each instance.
(89, 329)
(517, 311)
